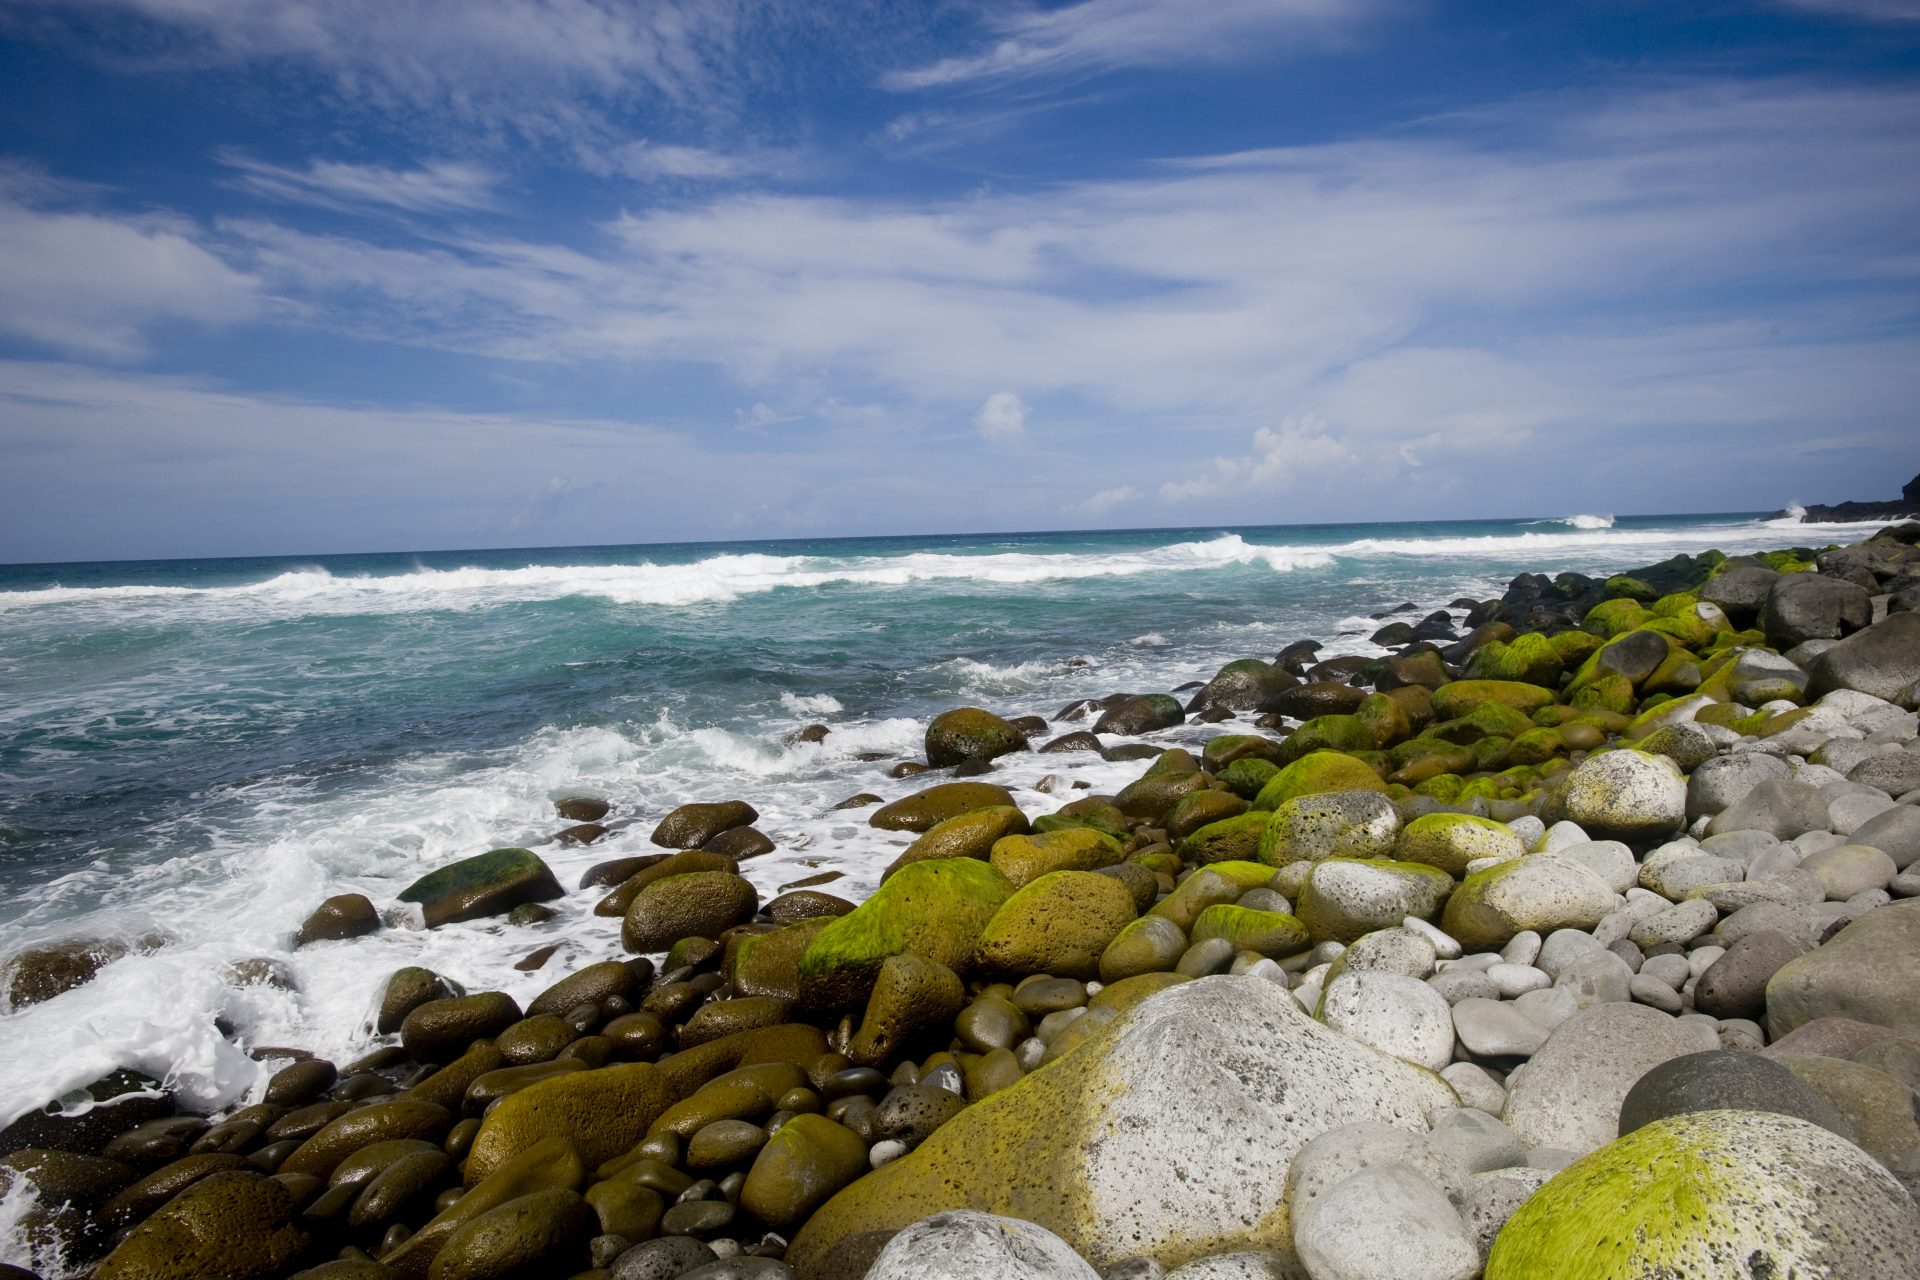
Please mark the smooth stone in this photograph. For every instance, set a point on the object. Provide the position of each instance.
(1612, 861)
(1597, 978)
(1870, 970)
(1849, 869)
(1385, 1220)
(1475, 1087)
(1393, 1013)
(1570, 1091)
(1493, 1029)
(1494, 1197)
(1541, 892)
(1680, 923)
(1653, 993)
(1883, 1113)
(1560, 949)
(1722, 781)
(1625, 794)
(664, 1259)
(1895, 833)
(1549, 1008)
(968, 1245)
(1781, 808)
(1476, 1141)
(1715, 1081)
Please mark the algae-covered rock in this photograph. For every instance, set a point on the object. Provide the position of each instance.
(41, 973)
(1317, 773)
(1167, 1133)
(1527, 659)
(924, 810)
(768, 964)
(1201, 809)
(1334, 824)
(1343, 898)
(1271, 933)
(1024, 859)
(381, 1122)
(1246, 777)
(1456, 699)
(490, 884)
(1328, 733)
(910, 994)
(440, 1030)
(804, 1163)
(1230, 839)
(969, 835)
(1060, 924)
(1450, 841)
(1715, 1193)
(1227, 748)
(545, 1230)
(934, 909)
(1151, 944)
(1153, 794)
(692, 825)
(969, 733)
(695, 904)
(236, 1225)
(1217, 882)
(1540, 892)
(1142, 715)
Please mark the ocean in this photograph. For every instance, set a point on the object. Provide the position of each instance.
(196, 752)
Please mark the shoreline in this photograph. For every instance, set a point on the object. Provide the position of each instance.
(1148, 826)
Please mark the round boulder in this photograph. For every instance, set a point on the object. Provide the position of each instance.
(1720, 1081)
(1625, 795)
(696, 904)
(969, 733)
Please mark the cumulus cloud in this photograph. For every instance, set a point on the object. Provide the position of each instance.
(1107, 499)
(1295, 450)
(1002, 419)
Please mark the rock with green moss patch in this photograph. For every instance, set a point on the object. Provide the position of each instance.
(768, 964)
(1271, 933)
(1235, 839)
(1386, 719)
(1540, 892)
(969, 733)
(1218, 882)
(924, 810)
(1201, 809)
(970, 835)
(911, 994)
(1246, 777)
(1152, 795)
(232, 1224)
(1327, 733)
(934, 909)
(1223, 750)
(489, 884)
(1343, 898)
(1335, 824)
(695, 904)
(1060, 924)
(804, 1163)
(1457, 698)
(1615, 617)
(1024, 859)
(1623, 587)
(1715, 1193)
(1316, 774)
(1623, 795)
(1151, 944)
(1450, 841)
(1529, 658)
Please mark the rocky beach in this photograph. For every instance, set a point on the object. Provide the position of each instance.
(1568, 931)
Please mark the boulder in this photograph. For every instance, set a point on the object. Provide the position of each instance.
(964, 1245)
(1569, 1093)
(1344, 898)
(1720, 1081)
(1059, 925)
(489, 884)
(1451, 701)
(1735, 985)
(1740, 592)
(1317, 773)
(1141, 715)
(969, 733)
(1812, 606)
(1883, 660)
(1540, 892)
(934, 909)
(1624, 795)
(1730, 1193)
(1246, 685)
(924, 810)
(804, 1163)
(1167, 1133)
(1895, 833)
(345, 915)
(1782, 808)
(1725, 779)
(911, 994)
(1869, 971)
(234, 1224)
(694, 904)
(1393, 1013)
(692, 825)
(1024, 859)
(41, 973)
(1386, 1221)
(1450, 841)
(1336, 824)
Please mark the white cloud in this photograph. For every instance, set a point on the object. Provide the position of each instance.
(1297, 449)
(442, 186)
(94, 283)
(658, 160)
(1107, 499)
(1101, 35)
(1002, 419)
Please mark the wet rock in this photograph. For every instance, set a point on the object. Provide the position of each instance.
(702, 904)
(490, 884)
(1143, 714)
(345, 915)
(591, 985)
(692, 825)
(440, 1030)
(1059, 924)
(546, 1229)
(41, 973)
(231, 1224)
(934, 909)
(910, 995)
(969, 733)
(923, 810)
(121, 1099)
(582, 808)
(407, 990)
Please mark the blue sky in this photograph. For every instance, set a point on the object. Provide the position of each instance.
(283, 276)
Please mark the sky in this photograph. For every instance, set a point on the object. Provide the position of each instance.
(307, 276)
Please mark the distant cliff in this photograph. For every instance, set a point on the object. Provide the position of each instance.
(1907, 504)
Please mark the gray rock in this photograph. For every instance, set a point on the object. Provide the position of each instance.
(1883, 660)
(966, 1245)
(1895, 773)
(1135, 1268)
(1249, 1265)
(1493, 1199)
(1393, 1013)
(1561, 948)
(1812, 606)
(1399, 950)
(1475, 1141)
(743, 1267)
(1735, 985)
(1385, 1220)
(1724, 779)
(1340, 1152)
(1849, 869)
(1895, 833)
(1792, 919)
(1881, 1111)
(1476, 1088)
(1569, 1094)
(663, 1259)
(1850, 812)
(1740, 592)
(1675, 878)
(1781, 808)
(1600, 977)
(1456, 985)
(1625, 794)
(1549, 1008)
(1653, 993)
(1869, 971)
(1609, 859)
(1680, 923)
(1494, 1029)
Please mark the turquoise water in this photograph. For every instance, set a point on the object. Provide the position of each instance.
(202, 750)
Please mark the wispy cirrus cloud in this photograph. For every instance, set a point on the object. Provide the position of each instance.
(442, 186)
(1024, 41)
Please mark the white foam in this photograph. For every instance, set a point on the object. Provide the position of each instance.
(821, 704)
(1581, 521)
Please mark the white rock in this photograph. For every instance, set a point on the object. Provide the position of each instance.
(965, 1245)
(1528, 828)
(1445, 946)
(1494, 1029)
(1599, 977)
(1494, 1198)
(1517, 979)
(1476, 1141)
(1236, 1266)
(1609, 859)
(1551, 1007)
(1672, 970)
(1341, 1152)
(1386, 1223)
(1626, 794)
(1393, 1013)
(1570, 1094)
(1561, 948)
(1681, 923)
(1558, 836)
(1476, 1088)
(1522, 948)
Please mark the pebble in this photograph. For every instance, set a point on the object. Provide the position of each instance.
(1493, 1029)
(1599, 977)
(1522, 948)
(1385, 1220)
(1561, 948)
(1653, 992)
(1476, 1088)
(1680, 923)
(1517, 979)
(1445, 946)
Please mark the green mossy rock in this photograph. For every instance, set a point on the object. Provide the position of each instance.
(1623, 587)
(692, 825)
(550, 1162)
(1344, 898)
(1151, 944)
(1536, 746)
(364, 1126)
(545, 1231)
(1574, 647)
(1386, 720)
(1487, 720)
(696, 904)
(1024, 859)
(1271, 933)
(924, 810)
(1334, 824)
(1141, 715)
(1152, 795)
(1227, 748)
(1418, 759)
(934, 909)
(768, 964)
(1091, 813)
(1740, 1194)
(1246, 777)
(617, 902)
(1451, 840)
(1235, 839)
(971, 835)
(1317, 773)
(490, 884)
(1456, 699)
(969, 733)
(1201, 809)
(1613, 693)
(1529, 658)
(806, 1161)
(1615, 617)
(911, 994)
(1327, 733)
(1059, 925)
(1219, 882)
(234, 1225)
